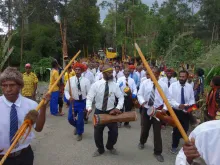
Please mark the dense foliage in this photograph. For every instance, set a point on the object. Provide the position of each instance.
(176, 31)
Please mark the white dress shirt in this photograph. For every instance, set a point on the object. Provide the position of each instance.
(23, 106)
(143, 79)
(94, 71)
(118, 75)
(165, 79)
(192, 84)
(143, 73)
(175, 91)
(207, 141)
(131, 85)
(98, 76)
(84, 84)
(97, 91)
(89, 75)
(145, 92)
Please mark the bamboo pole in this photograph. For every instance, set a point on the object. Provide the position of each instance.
(173, 115)
(27, 123)
(70, 92)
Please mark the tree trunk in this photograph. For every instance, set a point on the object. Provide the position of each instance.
(9, 17)
(65, 51)
(213, 32)
(22, 39)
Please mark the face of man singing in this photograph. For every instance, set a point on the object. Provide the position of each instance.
(169, 74)
(131, 71)
(126, 72)
(156, 73)
(11, 90)
(28, 69)
(183, 78)
(108, 76)
(78, 72)
(117, 69)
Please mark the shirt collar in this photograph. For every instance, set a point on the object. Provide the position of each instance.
(27, 73)
(181, 84)
(17, 102)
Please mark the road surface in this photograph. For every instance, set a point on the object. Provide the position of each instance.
(56, 145)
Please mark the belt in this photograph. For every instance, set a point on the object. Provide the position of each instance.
(17, 153)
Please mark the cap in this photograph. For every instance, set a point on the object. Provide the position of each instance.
(27, 65)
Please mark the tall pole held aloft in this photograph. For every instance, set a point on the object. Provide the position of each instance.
(172, 113)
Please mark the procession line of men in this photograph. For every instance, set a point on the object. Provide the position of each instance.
(83, 96)
(104, 92)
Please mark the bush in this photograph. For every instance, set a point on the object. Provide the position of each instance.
(42, 68)
(215, 70)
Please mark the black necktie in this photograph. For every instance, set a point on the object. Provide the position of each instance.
(13, 122)
(127, 82)
(182, 95)
(79, 89)
(168, 83)
(105, 98)
(152, 97)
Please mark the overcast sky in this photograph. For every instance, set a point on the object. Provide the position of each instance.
(103, 13)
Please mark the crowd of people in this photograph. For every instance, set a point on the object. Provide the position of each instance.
(112, 88)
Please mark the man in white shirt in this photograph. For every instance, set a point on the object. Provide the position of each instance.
(147, 77)
(95, 67)
(121, 68)
(138, 71)
(76, 93)
(117, 74)
(190, 79)
(148, 97)
(143, 73)
(182, 93)
(127, 82)
(88, 74)
(14, 110)
(104, 92)
(169, 79)
(99, 75)
(204, 143)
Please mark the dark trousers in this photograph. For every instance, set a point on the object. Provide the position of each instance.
(60, 102)
(112, 134)
(25, 158)
(146, 123)
(184, 120)
(85, 115)
(127, 105)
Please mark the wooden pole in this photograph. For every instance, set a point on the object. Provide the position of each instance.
(26, 124)
(70, 92)
(173, 115)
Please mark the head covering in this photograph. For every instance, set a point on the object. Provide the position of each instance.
(169, 70)
(191, 75)
(79, 65)
(85, 67)
(131, 67)
(106, 68)
(12, 74)
(27, 65)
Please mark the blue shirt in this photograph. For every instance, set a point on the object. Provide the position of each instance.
(136, 79)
